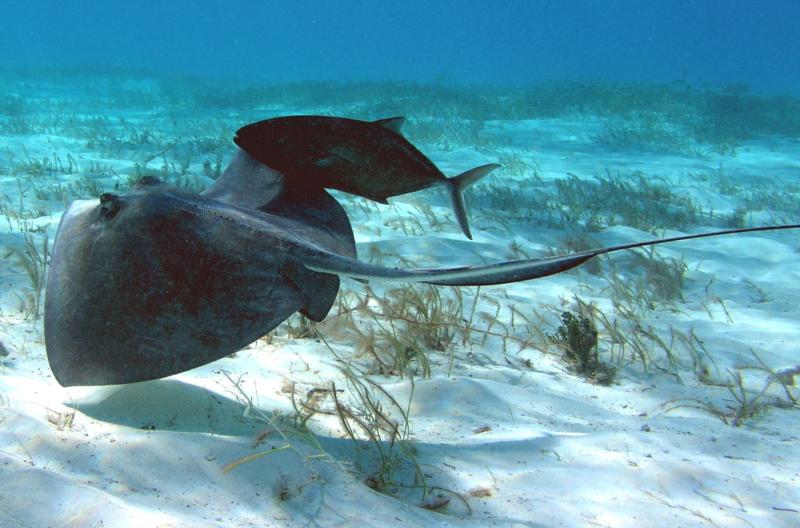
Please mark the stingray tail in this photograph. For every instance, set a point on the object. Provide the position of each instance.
(459, 184)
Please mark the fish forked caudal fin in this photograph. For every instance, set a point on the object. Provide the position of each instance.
(456, 187)
(500, 273)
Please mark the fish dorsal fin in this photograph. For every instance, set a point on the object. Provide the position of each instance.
(392, 123)
(246, 183)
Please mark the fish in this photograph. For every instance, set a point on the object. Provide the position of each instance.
(159, 280)
(365, 158)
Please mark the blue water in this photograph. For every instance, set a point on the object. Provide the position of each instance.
(697, 341)
(713, 42)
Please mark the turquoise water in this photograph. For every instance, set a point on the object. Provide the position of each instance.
(648, 388)
(463, 41)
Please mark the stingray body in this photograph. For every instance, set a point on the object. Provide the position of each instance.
(159, 280)
(366, 158)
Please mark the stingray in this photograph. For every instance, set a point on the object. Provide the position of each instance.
(366, 158)
(160, 280)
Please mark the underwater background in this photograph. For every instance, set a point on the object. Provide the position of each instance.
(655, 387)
(462, 41)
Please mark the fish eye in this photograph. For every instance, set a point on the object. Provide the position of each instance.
(109, 205)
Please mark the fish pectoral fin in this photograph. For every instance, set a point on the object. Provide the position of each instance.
(348, 156)
(392, 123)
(331, 160)
(339, 157)
(319, 289)
(344, 160)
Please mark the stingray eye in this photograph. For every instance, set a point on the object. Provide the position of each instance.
(109, 205)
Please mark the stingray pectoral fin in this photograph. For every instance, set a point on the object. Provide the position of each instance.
(456, 187)
(246, 183)
(319, 289)
(392, 123)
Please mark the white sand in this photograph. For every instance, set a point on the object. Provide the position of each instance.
(523, 441)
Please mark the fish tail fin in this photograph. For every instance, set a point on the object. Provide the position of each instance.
(459, 184)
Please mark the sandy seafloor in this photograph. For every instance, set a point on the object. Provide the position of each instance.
(506, 436)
